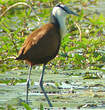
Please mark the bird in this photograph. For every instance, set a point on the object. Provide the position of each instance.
(43, 44)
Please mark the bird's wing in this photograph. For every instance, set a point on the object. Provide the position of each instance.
(39, 37)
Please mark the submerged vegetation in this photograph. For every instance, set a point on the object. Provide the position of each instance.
(82, 46)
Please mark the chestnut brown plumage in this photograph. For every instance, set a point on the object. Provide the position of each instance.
(43, 44)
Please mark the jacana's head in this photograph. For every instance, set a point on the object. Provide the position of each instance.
(62, 10)
(59, 12)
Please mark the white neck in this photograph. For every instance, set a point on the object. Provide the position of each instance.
(61, 21)
(60, 16)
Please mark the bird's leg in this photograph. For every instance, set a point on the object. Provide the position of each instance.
(42, 88)
(28, 84)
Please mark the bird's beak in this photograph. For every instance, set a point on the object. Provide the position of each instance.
(71, 12)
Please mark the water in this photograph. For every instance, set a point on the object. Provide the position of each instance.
(63, 90)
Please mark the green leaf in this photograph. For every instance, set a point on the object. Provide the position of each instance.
(41, 107)
(27, 107)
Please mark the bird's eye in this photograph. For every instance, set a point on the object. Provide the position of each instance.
(63, 7)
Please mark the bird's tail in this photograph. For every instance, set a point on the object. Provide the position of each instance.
(21, 57)
(17, 58)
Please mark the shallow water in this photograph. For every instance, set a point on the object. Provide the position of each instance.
(64, 90)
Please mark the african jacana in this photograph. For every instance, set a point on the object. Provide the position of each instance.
(43, 44)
